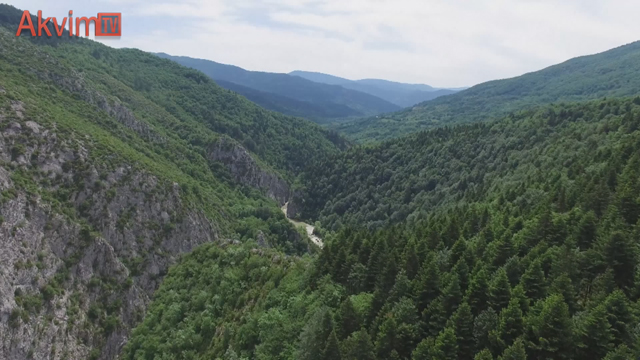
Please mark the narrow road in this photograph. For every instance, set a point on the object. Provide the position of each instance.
(316, 240)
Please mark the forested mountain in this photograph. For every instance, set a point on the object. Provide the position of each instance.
(140, 219)
(522, 245)
(613, 73)
(403, 95)
(113, 163)
(291, 95)
(318, 112)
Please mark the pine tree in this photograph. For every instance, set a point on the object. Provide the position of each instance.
(620, 318)
(515, 351)
(502, 252)
(622, 352)
(427, 284)
(478, 294)
(458, 250)
(445, 347)
(314, 336)
(549, 329)
(461, 269)
(586, 231)
(484, 355)
(483, 325)
(332, 350)
(434, 317)
(462, 323)
(620, 254)
(349, 319)
(411, 260)
(562, 285)
(401, 288)
(499, 291)
(452, 296)
(358, 346)
(533, 281)
(596, 339)
(511, 322)
(408, 327)
(423, 350)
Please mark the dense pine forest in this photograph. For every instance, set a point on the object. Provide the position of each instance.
(536, 258)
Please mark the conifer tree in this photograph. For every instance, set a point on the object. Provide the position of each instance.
(427, 284)
(477, 294)
(620, 318)
(533, 281)
(445, 347)
(499, 291)
(515, 351)
(411, 260)
(594, 330)
(511, 322)
(484, 355)
(483, 325)
(349, 319)
(549, 329)
(358, 346)
(332, 349)
(462, 323)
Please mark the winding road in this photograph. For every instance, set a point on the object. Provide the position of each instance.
(316, 240)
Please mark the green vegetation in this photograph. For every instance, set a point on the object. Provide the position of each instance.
(532, 255)
(408, 178)
(132, 108)
(614, 73)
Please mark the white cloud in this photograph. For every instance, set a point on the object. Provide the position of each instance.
(439, 42)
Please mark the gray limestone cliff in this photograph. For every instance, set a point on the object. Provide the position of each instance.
(246, 171)
(82, 247)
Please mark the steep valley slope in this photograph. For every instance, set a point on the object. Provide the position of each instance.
(113, 163)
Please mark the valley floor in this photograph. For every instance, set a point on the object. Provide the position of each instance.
(316, 240)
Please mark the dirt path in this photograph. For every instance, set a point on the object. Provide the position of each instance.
(316, 240)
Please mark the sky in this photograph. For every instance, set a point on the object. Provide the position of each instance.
(442, 43)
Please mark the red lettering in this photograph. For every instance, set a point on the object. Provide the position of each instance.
(61, 28)
(87, 21)
(26, 15)
(42, 25)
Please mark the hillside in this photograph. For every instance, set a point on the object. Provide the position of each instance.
(403, 95)
(114, 163)
(520, 244)
(337, 102)
(613, 73)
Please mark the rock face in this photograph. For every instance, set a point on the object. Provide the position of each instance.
(82, 248)
(294, 208)
(246, 171)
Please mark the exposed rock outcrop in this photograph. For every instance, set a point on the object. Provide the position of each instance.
(82, 248)
(246, 171)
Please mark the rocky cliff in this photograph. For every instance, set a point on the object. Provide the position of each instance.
(82, 246)
(246, 171)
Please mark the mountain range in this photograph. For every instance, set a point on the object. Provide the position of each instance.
(403, 95)
(614, 72)
(318, 97)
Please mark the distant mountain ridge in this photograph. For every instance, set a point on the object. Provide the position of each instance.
(401, 94)
(613, 73)
(291, 95)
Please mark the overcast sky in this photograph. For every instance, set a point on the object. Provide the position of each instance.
(443, 43)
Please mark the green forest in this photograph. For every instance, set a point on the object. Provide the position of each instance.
(613, 73)
(498, 223)
(534, 258)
